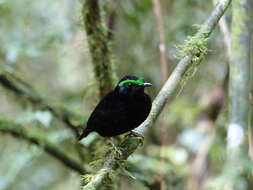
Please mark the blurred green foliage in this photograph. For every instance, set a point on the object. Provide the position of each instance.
(44, 42)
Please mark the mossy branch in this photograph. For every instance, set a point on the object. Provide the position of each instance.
(130, 144)
(32, 136)
(188, 62)
(239, 72)
(240, 69)
(98, 41)
(23, 90)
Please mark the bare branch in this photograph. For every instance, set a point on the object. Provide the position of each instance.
(162, 45)
(206, 124)
(164, 71)
(225, 33)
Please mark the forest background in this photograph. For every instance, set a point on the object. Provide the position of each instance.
(58, 58)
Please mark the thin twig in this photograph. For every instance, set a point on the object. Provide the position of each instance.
(111, 24)
(210, 114)
(130, 144)
(250, 141)
(206, 124)
(225, 33)
(162, 41)
(165, 71)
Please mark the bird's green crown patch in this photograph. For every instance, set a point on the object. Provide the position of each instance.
(140, 81)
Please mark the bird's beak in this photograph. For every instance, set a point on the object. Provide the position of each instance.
(147, 84)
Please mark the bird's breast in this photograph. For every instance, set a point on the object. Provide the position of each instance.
(141, 108)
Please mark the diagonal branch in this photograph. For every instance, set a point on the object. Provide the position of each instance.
(9, 127)
(184, 65)
(130, 144)
(23, 90)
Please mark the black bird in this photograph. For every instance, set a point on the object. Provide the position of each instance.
(121, 110)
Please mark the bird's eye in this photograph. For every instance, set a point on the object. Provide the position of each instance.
(129, 84)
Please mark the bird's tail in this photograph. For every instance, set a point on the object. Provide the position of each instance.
(84, 134)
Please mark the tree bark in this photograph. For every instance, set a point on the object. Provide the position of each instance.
(99, 45)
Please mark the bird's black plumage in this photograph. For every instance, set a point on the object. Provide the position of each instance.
(121, 110)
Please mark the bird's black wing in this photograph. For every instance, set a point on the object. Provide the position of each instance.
(111, 112)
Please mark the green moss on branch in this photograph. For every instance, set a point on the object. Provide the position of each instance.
(99, 45)
(128, 146)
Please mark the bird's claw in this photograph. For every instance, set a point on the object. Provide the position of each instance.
(137, 135)
(117, 150)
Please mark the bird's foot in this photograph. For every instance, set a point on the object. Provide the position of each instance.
(137, 135)
(117, 150)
